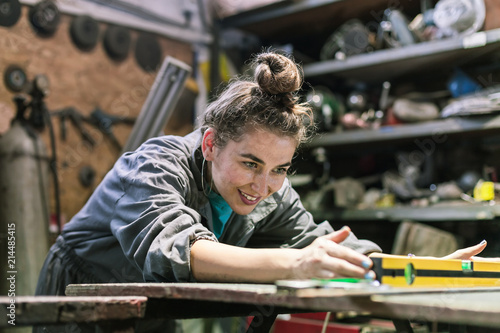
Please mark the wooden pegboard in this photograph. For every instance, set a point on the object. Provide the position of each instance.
(83, 80)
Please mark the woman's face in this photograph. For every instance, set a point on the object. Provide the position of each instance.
(247, 171)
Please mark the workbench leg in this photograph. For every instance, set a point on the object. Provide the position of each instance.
(262, 323)
(402, 326)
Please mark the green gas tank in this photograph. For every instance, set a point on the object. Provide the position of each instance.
(24, 208)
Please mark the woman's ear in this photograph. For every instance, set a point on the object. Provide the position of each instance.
(207, 144)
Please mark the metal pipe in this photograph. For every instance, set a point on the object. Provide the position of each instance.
(160, 103)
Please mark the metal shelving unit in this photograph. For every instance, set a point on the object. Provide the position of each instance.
(288, 20)
(282, 18)
(457, 212)
(481, 125)
(386, 64)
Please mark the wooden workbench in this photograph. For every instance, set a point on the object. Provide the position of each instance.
(111, 314)
(470, 306)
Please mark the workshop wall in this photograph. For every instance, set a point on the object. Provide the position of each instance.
(85, 80)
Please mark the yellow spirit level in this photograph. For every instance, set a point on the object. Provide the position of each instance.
(402, 271)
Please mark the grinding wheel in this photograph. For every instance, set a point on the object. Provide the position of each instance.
(148, 52)
(10, 11)
(45, 17)
(117, 42)
(15, 78)
(84, 32)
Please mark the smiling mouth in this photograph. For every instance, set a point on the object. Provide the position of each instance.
(249, 198)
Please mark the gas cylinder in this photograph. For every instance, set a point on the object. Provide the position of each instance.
(24, 208)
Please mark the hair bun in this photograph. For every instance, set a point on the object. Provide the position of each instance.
(277, 74)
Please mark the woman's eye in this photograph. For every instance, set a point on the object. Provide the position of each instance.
(251, 165)
(281, 171)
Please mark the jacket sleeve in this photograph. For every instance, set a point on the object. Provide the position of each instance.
(291, 225)
(152, 220)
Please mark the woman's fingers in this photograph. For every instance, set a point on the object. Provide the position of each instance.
(468, 252)
(337, 267)
(326, 258)
(338, 260)
(344, 252)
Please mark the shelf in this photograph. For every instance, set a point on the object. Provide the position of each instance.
(295, 22)
(386, 64)
(306, 24)
(438, 129)
(465, 212)
(291, 19)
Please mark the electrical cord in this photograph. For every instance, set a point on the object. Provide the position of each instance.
(325, 323)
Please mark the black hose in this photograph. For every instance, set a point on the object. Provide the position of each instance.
(53, 166)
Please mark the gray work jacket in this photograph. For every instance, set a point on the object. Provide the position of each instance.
(141, 220)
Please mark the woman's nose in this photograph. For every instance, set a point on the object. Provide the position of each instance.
(265, 184)
(260, 184)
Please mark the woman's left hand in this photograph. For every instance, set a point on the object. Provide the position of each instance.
(469, 253)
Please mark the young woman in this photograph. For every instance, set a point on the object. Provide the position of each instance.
(214, 205)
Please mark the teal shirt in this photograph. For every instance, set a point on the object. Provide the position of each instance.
(220, 211)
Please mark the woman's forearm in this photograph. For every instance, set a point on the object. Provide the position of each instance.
(217, 262)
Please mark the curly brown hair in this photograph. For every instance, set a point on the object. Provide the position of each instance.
(267, 101)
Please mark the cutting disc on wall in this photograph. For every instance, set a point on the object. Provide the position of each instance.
(148, 52)
(45, 17)
(10, 11)
(84, 32)
(117, 42)
(14, 78)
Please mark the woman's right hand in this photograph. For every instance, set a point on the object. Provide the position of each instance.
(326, 258)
